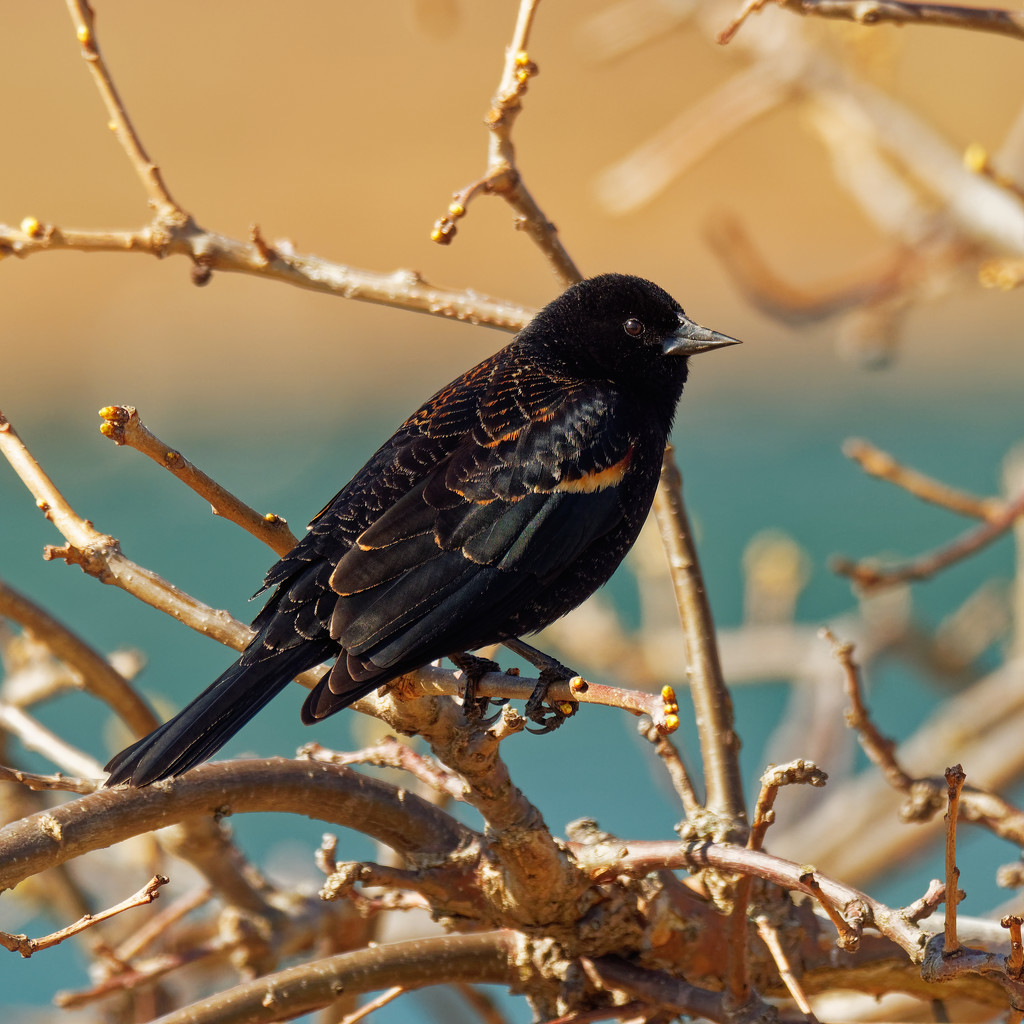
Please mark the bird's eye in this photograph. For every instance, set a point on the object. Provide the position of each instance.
(634, 328)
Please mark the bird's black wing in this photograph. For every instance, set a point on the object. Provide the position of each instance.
(531, 480)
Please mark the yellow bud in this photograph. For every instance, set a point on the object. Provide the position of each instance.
(31, 227)
(578, 684)
(522, 58)
(671, 723)
(85, 35)
(976, 157)
(566, 708)
(456, 210)
(107, 429)
(668, 695)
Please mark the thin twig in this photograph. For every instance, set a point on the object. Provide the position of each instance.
(672, 761)
(775, 777)
(58, 782)
(502, 176)
(374, 1004)
(26, 947)
(1015, 961)
(881, 464)
(393, 753)
(871, 577)
(880, 749)
(481, 1003)
(955, 779)
(121, 423)
(897, 12)
(770, 936)
(160, 199)
(712, 703)
(159, 923)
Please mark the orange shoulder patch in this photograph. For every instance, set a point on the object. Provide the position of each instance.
(590, 482)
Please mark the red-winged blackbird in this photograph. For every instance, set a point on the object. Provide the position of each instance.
(498, 506)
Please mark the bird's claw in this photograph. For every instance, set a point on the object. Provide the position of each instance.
(549, 715)
(473, 670)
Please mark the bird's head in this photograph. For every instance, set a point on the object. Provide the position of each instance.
(620, 328)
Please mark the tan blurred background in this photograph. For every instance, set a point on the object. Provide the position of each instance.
(345, 127)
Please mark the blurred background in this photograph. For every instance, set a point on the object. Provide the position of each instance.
(801, 188)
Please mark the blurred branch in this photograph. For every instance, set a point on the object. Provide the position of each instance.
(26, 947)
(871, 576)
(882, 465)
(35, 736)
(766, 290)
(97, 675)
(122, 424)
(502, 176)
(898, 12)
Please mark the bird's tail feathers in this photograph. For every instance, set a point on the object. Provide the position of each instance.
(199, 730)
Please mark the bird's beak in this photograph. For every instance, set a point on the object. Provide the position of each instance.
(689, 338)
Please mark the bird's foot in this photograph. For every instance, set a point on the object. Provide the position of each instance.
(549, 715)
(473, 670)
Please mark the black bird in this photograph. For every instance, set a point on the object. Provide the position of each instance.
(498, 506)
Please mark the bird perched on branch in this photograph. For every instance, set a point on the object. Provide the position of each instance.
(502, 503)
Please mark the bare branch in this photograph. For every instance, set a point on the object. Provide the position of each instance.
(871, 576)
(98, 676)
(208, 251)
(644, 856)
(898, 12)
(84, 20)
(955, 779)
(26, 947)
(502, 176)
(673, 764)
(35, 736)
(770, 936)
(59, 782)
(121, 423)
(393, 753)
(881, 464)
(485, 957)
(713, 705)
(404, 821)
